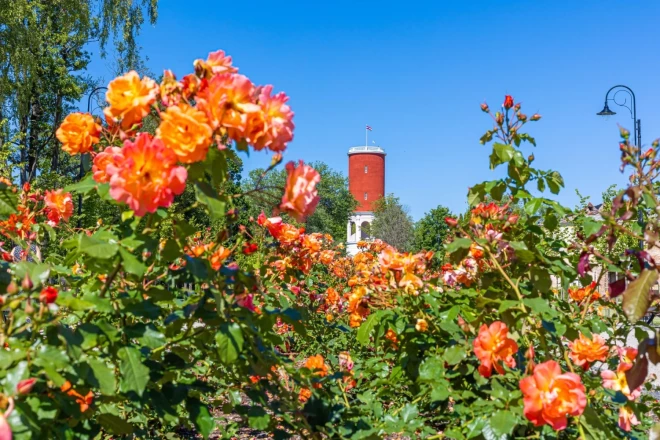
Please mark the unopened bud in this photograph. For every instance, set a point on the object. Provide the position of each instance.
(535, 117)
(25, 386)
(522, 117)
(530, 158)
(499, 118)
(28, 309)
(624, 133)
(232, 214)
(656, 143)
(276, 159)
(516, 108)
(12, 288)
(484, 108)
(27, 283)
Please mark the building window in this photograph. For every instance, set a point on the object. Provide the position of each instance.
(365, 169)
(365, 196)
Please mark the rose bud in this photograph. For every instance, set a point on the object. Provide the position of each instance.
(535, 117)
(499, 118)
(508, 102)
(27, 284)
(452, 222)
(48, 295)
(12, 288)
(25, 386)
(484, 108)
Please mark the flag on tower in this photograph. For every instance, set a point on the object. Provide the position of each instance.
(369, 128)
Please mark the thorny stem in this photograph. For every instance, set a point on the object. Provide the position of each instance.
(110, 279)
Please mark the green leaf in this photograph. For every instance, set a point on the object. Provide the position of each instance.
(102, 376)
(454, 354)
(540, 305)
(595, 427)
(521, 251)
(8, 200)
(458, 243)
(208, 196)
(504, 152)
(590, 227)
(432, 369)
(200, 416)
(14, 376)
(102, 245)
(131, 264)
(115, 424)
(229, 340)
(555, 182)
(134, 374)
(541, 279)
(503, 422)
(637, 297)
(83, 187)
(532, 207)
(258, 418)
(365, 329)
(476, 194)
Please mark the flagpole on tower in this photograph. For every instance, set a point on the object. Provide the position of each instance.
(366, 136)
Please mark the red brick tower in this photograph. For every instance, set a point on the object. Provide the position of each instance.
(366, 181)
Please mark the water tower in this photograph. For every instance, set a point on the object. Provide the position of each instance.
(366, 181)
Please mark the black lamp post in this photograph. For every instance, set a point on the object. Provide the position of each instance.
(81, 170)
(637, 126)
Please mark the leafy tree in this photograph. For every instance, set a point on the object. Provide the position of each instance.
(392, 223)
(42, 64)
(431, 232)
(335, 205)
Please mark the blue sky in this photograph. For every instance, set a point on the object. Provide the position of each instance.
(417, 71)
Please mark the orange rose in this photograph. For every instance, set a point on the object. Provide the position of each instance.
(300, 194)
(584, 351)
(147, 178)
(227, 100)
(272, 126)
(317, 365)
(78, 133)
(216, 63)
(304, 394)
(549, 396)
(185, 131)
(220, 255)
(580, 294)
(492, 346)
(59, 206)
(130, 99)
(617, 381)
(110, 156)
(627, 418)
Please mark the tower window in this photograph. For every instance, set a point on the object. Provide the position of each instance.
(365, 196)
(365, 169)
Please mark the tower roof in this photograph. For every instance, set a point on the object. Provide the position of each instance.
(366, 149)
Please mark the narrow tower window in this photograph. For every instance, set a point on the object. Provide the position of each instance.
(365, 169)
(365, 196)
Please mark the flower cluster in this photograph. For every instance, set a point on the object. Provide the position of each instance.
(212, 106)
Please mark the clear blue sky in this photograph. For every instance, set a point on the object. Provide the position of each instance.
(417, 71)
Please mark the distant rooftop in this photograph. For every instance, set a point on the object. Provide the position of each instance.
(366, 149)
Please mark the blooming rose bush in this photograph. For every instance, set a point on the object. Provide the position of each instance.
(132, 333)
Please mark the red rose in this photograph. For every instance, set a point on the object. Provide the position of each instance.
(452, 222)
(48, 295)
(250, 248)
(508, 102)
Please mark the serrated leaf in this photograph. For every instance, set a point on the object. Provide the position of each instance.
(134, 374)
(131, 264)
(82, 187)
(455, 354)
(200, 416)
(229, 340)
(503, 422)
(365, 329)
(637, 297)
(102, 376)
(8, 200)
(532, 207)
(100, 245)
(208, 196)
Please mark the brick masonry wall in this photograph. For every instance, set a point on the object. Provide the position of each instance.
(372, 182)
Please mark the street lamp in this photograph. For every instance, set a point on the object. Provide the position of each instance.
(81, 170)
(637, 126)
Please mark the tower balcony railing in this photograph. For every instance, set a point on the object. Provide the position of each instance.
(365, 149)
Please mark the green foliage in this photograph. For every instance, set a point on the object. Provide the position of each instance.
(392, 223)
(432, 232)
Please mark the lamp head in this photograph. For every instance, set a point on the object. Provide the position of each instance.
(606, 111)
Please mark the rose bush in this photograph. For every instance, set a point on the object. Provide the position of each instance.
(143, 326)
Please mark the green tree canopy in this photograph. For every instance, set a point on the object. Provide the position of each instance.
(392, 223)
(431, 232)
(43, 57)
